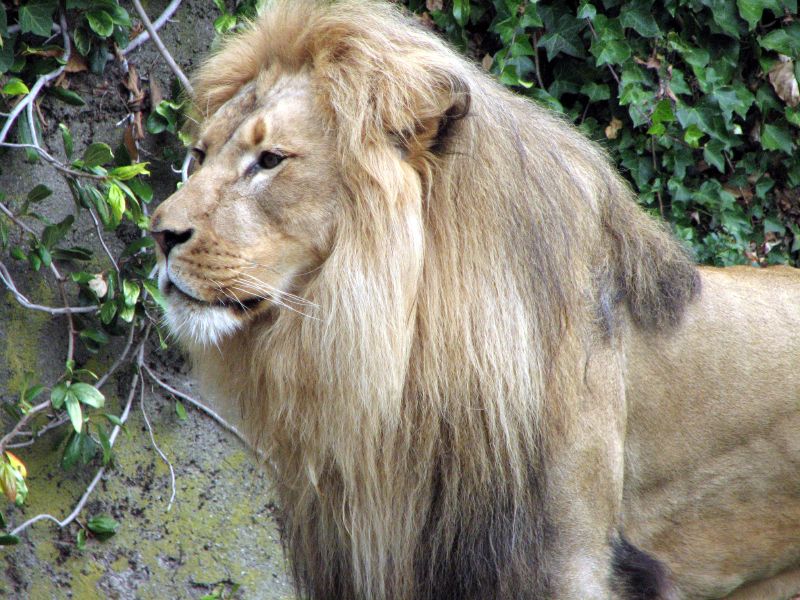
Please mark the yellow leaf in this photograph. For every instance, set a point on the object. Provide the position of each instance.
(17, 464)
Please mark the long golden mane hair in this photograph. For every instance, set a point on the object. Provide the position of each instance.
(489, 251)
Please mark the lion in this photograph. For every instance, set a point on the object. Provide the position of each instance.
(432, 302)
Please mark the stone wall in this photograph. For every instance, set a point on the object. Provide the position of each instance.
(221, 531)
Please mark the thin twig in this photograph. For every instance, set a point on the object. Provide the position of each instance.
(32, 412)
(119, 361)
(161, 48)
(102, 241)
(54, 424)
(55, 162)
(197, 404)
(155, 445)
(5, 277)
(157, 24)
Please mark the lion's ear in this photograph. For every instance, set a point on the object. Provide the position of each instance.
(436, 119)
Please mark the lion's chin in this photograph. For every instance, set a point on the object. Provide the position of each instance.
(199, 324)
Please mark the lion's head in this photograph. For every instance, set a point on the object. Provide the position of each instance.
(257, 218)
(412, 283)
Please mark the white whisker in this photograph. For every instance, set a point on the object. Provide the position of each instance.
(274, 290)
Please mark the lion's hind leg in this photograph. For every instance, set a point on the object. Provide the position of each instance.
(783, 586)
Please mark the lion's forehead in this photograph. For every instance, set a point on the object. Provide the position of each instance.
(274, 98)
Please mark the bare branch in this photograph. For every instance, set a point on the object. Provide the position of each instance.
(35, 410)
(161, 48)
(197, 404)
(157, 24)
(5, 277)
(155, 445)
(102, 240)
(55, 162)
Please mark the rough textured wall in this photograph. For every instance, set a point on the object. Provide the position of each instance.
(221, 530)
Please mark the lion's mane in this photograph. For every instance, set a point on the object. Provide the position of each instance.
(412, 428)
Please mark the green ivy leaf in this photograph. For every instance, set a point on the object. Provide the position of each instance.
(9, 540)
(155, 293)
(142, 190)
(87, 394)
(129, 171)
(137, 245)
(66, 139)
(724, 14)
(785, 40)
(180, 410)
(692, 136)
(44, 255)
(72, 451)
(102, 526)
(712, 154)
(25, 136)
(59, 394)
(116, 201)
(638, 15)
(39, 193)
(100, 22)
(53, 234)
(224, 23)
(67, 96)
(83, 41)
(15, 87)
(80, 541)
(461, 11)
(74, 411)
(776, 138)
(596, 91)
(95, 335)
(751, 10)
(107, 311)
(97, 154)
(73, 253)
(105, 444)
(36, 16)
(586, 11)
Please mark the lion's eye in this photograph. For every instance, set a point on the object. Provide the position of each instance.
(199, 155)
(269, 160)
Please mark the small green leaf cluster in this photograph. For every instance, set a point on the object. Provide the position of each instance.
(228, 21)
(697, 100)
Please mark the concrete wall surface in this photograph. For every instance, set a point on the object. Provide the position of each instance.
(221, 532)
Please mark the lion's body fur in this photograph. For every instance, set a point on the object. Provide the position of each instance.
(452, 424)
(712, 442)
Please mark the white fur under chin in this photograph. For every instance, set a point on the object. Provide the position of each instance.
(200, 325)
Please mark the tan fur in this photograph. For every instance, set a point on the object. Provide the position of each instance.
(420, 312)
(712, 478)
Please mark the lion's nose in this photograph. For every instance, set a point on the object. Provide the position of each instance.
(167, 239)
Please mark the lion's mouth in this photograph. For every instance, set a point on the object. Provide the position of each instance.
(235, 304)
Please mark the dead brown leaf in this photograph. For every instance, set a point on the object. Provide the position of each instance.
(128, 139)
(76, 64)
(487, 62)
(783, 81)
(651, 63)
(156, 95)
(612, 131)
(434, 4)
(745, 193)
